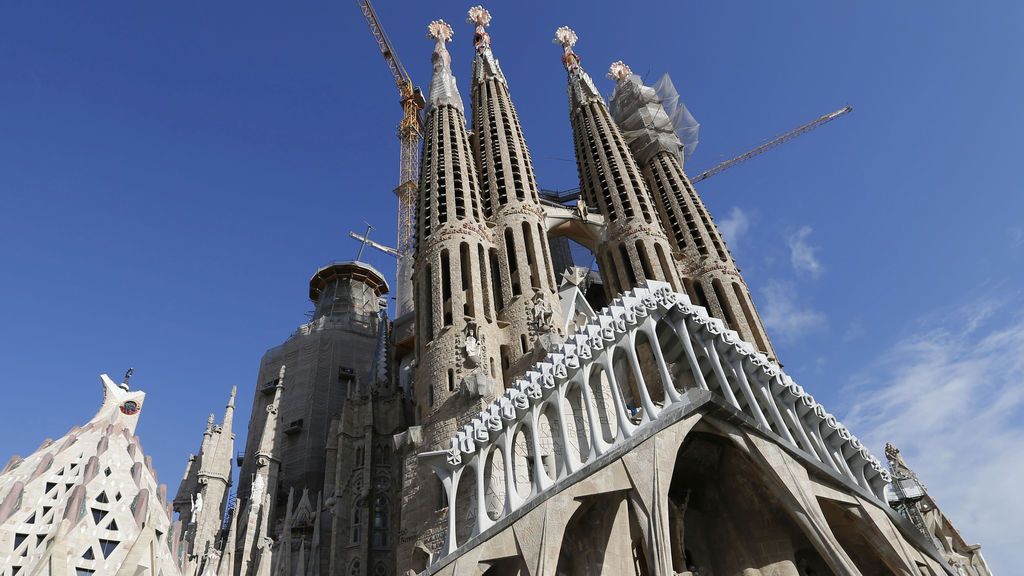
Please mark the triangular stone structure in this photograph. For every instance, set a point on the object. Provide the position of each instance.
(88, 503)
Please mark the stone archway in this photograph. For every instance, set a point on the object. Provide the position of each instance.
(599, 539)
(725, 519)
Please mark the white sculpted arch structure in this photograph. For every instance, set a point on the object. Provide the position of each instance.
(597, 391)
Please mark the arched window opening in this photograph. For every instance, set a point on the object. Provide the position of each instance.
(355, 528)
(506, 357)
(466, 271)
(513, 265)
(427, 298)
(723, 303)
(698, 293)
(615, 283)
(496, 288)
(523, 343)
(531, 257)
(546, 251)
(486, 292)
(381, 521)
(748, 313)
(666, 268)
(446, 288)
(451, 380)
(627, 266)
(645, 263)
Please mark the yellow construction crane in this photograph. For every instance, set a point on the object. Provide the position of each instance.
(409, 133)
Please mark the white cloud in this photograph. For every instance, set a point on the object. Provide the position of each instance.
(854, 331)
(1016, 234)
(801, 254)
(951, 399)
(734, 226)
(784, 317)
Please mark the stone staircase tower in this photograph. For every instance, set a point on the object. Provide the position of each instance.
(522, 275)
(705, 265)
(611, 183)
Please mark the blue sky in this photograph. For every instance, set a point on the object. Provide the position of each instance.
(172, 174)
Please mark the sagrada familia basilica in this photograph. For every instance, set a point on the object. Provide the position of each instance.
(523, 417)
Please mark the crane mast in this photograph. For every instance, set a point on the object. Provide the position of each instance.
(409, 134)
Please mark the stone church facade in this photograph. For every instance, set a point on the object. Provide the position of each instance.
(526, 417)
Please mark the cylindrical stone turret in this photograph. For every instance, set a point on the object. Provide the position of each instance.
(709, 273)
(611, 182)
(457, 340)
(523, 278)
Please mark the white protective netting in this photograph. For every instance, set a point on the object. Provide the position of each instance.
(653, 118)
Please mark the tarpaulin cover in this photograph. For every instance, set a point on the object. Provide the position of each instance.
(654, 118)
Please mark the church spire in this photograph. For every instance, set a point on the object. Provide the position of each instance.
(649, 118)
(229, 411)
(524, 281)
(443, 89)
(203, 493)
(485, 66)
(457, 331)
(610, 181)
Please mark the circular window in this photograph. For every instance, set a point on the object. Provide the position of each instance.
(130, 408)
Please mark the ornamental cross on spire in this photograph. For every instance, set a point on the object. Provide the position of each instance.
(482, 18)
(567, 38)
(619, 71)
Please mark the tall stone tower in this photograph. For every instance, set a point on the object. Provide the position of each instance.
(458, 328)
(89, 502)
(457, 318)
(708, 271)
(523, 278)
(203, 493)
(285, 457)
(610, 181)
